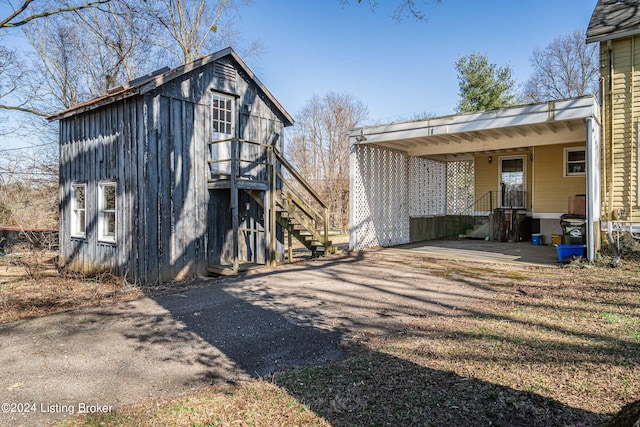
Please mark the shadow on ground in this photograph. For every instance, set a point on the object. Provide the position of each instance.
(346, 386)
(373, 388)
(259, 341)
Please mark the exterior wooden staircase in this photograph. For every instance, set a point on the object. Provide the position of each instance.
(295, 213)
(285, 197)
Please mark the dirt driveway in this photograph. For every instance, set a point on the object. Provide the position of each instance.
(231, 329)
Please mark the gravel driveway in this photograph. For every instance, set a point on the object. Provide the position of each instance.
(228, 330)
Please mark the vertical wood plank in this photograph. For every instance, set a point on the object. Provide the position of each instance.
(142, 147)
(153, 198)
(190, 187)
(177, 178)
(165, 190)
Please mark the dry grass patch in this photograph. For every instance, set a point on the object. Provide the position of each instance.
(30, 286)
(252, 403)
(548, 347)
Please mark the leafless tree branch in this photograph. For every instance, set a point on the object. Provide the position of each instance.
(7, 22)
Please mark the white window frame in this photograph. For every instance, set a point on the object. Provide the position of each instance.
(229, 119)
(105, 235)
(78, 215)
(565, 162)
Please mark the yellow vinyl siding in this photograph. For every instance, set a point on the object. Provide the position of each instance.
(621, 79)
(552, 188)
(486, 174)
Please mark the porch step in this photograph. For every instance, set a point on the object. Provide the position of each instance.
(221, 270)
(227, 269)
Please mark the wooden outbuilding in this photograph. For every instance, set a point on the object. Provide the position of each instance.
(180, 172)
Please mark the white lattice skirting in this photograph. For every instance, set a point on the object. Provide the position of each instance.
(379, 208)
(388, 187)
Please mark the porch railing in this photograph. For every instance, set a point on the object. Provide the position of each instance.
(480, 209)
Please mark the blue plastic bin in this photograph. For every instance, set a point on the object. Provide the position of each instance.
(565, 251)
(536, 239)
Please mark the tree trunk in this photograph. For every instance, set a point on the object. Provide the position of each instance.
(629, 416)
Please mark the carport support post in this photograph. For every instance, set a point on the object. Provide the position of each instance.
(593, 184)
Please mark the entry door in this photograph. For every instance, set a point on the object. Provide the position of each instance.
(223, 126)
(512, 182)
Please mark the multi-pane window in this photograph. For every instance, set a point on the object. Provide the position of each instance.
(78, 210)
(222, 115)
(107, 212)
(575, 161)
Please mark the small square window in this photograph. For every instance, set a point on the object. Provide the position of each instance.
(107, 212)
(78, 210)
(222, 116)
(575, 161)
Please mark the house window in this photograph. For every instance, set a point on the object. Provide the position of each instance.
(107, 212)
(222, 116)
(78, 210)
(575, 161)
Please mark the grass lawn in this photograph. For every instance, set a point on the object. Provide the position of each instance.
(551, 347)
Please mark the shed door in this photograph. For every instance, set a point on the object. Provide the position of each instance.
(223, 126)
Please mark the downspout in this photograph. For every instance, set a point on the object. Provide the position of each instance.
(631, 124)
(590, 189)
(609, 177)
(611, 130)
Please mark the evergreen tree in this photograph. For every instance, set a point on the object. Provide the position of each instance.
(483, 85)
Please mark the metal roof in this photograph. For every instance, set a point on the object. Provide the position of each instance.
(151, 81)
(612, 19)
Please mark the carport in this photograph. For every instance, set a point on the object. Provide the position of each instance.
(409, 181)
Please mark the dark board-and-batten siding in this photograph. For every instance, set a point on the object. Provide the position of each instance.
(154, 146)
(158, 163)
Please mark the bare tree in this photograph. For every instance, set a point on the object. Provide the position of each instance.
(24, 12)
(28, 192)
(319, 147)
(12, 68)
(404, 8)
(185, 27)
(566, 68)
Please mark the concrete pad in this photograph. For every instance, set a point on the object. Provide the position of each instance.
(483, 251)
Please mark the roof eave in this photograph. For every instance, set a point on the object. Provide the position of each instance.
(568, 109)
(612, 36)
(153, 82)
(94, 103)
(183, 69)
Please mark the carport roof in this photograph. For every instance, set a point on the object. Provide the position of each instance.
(522, 126)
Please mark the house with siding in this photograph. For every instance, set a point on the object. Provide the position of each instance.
(533, 160)
(180, 172)
(615, 25)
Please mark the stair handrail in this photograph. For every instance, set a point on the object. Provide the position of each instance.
(325, 208)
(300, 178)
(472, 206)
(298, 200)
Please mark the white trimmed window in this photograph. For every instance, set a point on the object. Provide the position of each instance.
(107, 211)
(222, 110)
(78, 210)
(575, 161)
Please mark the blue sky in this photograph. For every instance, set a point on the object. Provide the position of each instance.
(397, 70)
